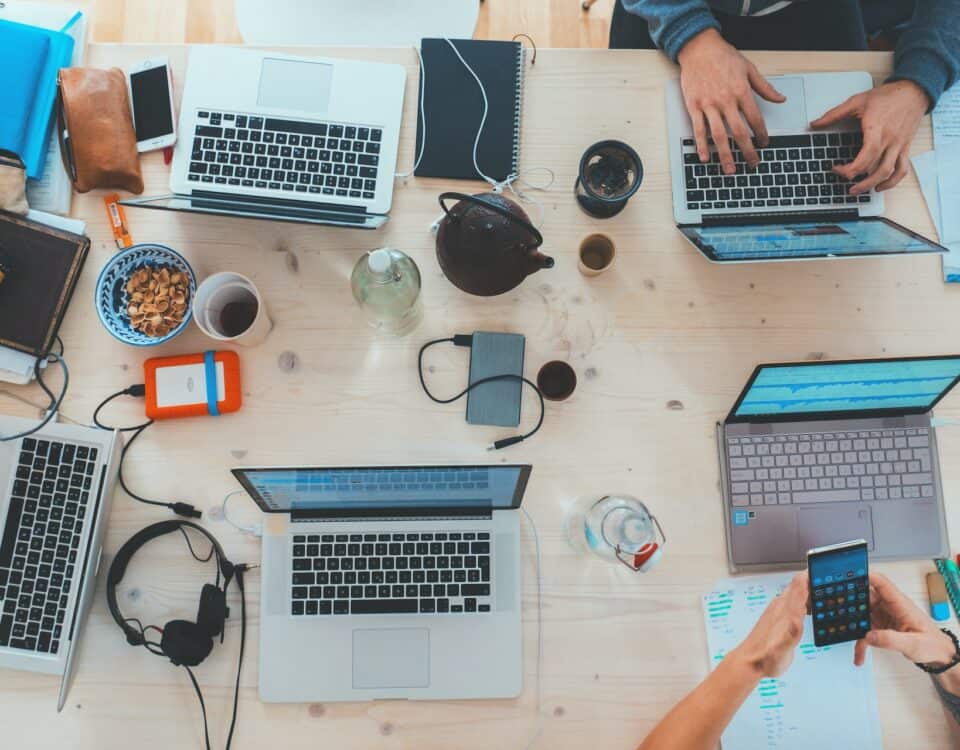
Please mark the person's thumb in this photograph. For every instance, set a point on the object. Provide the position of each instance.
(905, 643)
(763, 87)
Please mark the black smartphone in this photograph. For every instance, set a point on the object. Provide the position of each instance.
(839, 592)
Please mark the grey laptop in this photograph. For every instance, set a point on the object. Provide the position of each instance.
(390, 582)
(56, 486)
(815, 453)
(792, 206)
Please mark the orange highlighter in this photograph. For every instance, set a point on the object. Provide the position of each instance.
(192, 385)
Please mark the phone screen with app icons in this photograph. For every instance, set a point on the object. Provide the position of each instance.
(839, 592)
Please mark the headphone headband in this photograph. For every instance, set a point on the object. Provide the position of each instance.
(120, 561)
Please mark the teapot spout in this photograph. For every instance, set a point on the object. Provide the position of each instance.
(539, 261)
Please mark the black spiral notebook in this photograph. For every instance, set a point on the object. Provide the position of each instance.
(453, 105)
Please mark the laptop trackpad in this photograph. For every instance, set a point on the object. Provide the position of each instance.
(295, 84)
(821, 526)
(391, 658)
(792, 114)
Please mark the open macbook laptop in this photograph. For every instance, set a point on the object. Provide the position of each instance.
(816, 453)
(272, 136)
(792, 206)
(390, 582)
(56, 487)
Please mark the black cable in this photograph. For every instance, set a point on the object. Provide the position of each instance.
(467, 341)
(181, 509)
(239, 571)
(54, 406)
(203, 707)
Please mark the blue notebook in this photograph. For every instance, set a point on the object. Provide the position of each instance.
(30, 59)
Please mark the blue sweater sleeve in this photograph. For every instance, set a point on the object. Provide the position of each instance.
(673, 23)
(928, 52)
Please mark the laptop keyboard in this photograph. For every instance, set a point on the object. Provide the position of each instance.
(377, 574)
(830, 467)
(795, 170)
(38, 552)
(266, 153)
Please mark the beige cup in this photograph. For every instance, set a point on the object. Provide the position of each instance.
(597, 253)
(228, 307)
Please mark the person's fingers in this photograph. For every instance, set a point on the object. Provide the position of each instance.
(882, 172)
(700, 135)
(741, 134)
(751, 111)
(869, 155)
(720, 140)
(850, 108)
(762, 86)
(898, 173)
(860, 653)
(892, 640)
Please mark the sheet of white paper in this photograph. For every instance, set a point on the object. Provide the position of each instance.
(948, 179)
(77, 226)
(925, 165)
(822, 701)
(53, 191)
(946, 118)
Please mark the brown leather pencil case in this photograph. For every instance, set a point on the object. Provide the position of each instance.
(95, 126)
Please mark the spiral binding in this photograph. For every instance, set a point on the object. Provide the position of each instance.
(521, 78)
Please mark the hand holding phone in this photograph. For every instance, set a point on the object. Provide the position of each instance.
(839, 592)
(151, 98)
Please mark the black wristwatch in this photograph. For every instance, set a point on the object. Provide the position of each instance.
(949, 665)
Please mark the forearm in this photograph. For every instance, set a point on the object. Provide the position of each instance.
(697, 722)
(673, 23)
(928, 52)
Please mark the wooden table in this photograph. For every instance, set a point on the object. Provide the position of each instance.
(661, 344)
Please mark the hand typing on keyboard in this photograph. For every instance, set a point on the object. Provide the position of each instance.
(889, 117)
(718, 84)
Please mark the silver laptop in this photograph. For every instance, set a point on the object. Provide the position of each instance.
(792, 206)
(816, 453)
(56, 487)
(271, 136)
(390, 582)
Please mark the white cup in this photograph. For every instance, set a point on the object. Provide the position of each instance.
(222, 290)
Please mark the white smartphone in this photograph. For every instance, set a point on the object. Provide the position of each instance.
(151, 98)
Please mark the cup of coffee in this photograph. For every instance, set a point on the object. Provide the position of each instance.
(228, 307)
(597, 253)
(556, 380)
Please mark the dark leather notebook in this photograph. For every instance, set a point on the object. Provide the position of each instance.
(44, 264)
(453, 105)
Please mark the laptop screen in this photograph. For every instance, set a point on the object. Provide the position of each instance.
(866, 236)
(385, 488)
(865, 388)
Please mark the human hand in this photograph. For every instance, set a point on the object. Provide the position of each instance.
(900, 625)
(889, 117)
(771, 644)
(718, 84)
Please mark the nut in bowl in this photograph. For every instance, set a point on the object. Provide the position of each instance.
(144, 295)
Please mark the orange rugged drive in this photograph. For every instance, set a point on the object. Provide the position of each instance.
(192, 385)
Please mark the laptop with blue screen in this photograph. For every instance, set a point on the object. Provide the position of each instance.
(390, 582)
(816, 453)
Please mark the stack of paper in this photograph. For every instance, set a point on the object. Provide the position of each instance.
(938, 172)
(823, 701)
(53, 191)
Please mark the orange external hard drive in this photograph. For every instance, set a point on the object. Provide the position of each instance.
(192, 385)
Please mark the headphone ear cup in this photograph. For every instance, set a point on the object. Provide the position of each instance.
(212, 611)
(185, 643)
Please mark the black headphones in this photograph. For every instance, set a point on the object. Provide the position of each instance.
(183, 642)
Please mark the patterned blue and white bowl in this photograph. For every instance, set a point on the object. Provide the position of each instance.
(111, 293)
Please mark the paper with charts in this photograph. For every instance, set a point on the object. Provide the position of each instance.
(822, 701)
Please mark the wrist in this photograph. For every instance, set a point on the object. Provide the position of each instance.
(702, 42)
(913, 93)
(942, 649)
(746, 665)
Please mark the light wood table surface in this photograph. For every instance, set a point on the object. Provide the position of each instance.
(661, 345)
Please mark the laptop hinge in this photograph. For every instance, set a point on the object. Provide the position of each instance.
(779, 217)
(391, 514)
(276, 202)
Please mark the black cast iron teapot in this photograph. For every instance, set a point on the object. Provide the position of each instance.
(486, 244)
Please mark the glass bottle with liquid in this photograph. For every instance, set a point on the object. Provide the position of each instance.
(386, 285)
(618, 528)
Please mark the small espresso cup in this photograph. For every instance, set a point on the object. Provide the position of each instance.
(597, 253)
(228, 307)
(556, 380)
